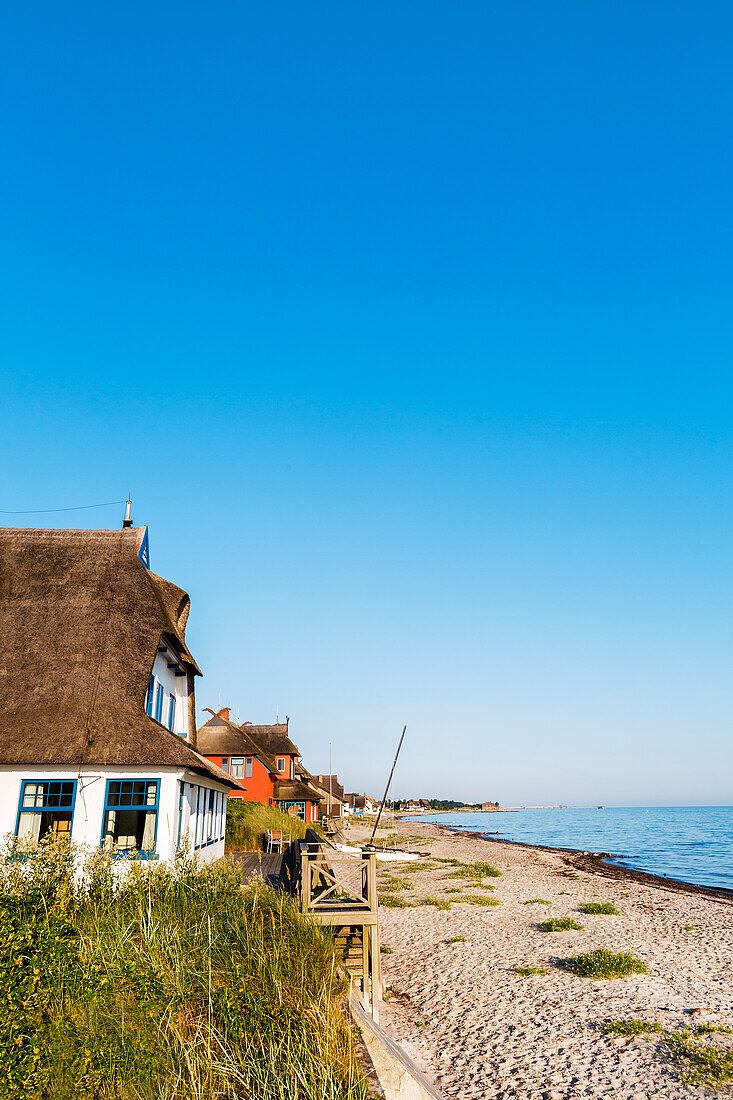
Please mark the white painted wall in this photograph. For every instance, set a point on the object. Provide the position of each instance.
(178, 685)
(91, 784)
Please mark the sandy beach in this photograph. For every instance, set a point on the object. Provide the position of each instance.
(479, 1029)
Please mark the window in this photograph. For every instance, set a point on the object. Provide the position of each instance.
(159, 703)
(46, 806)
(210, 816)
(248, 768)
(171, 711)
(181, 786)
(131, 816)
(150, 696)
(280, 763)
(237, 768)
(225, 763)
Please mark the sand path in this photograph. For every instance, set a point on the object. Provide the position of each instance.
(478, 1029)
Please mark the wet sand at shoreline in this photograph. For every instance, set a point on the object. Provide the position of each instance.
(478, 1029)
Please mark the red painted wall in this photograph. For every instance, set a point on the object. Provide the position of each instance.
(259, 786)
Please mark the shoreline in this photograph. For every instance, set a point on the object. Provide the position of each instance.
(590, 861)
(477, 992)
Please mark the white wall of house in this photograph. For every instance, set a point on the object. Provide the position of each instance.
(171, 684)
(185, 809)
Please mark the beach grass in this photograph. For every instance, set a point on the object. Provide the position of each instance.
(438, 903)
(527, 971)
(248, 822)
(168, 981)
(560, 924)
(700, 1060)
(477, 899)
(600, 908)
(604, 964)
(385, 950)
(537, 901)
(392, 901)
(456, 939)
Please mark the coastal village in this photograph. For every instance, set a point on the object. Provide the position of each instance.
(99, 736)
(100, 752)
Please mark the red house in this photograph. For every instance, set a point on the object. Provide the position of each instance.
(263, 758)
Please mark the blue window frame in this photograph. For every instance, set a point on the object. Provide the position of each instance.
(130, 823)
(150, 696)
(180, 812)
(225, 763)
(159, 703)
(45, 806)
(248, 768)
(171, 711)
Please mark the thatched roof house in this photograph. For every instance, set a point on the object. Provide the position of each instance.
(97, 681)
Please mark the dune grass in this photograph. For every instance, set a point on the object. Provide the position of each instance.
(527, 971)
(537, 901)
(248, 822)
(392, 901)
(600, 908)
(456, 939)
(164, 983)
(560, 924)
(604, 964)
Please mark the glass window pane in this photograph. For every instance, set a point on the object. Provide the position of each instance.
(152, 794)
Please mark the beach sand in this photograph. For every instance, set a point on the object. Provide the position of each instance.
(478, 1029)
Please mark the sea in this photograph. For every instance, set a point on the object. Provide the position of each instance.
(688, 843)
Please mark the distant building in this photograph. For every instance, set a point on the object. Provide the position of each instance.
(264, 759)
(97, 732)
(488, 806)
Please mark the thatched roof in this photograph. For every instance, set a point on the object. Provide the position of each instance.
(220, 737)
(80, 620)
(274, 739)
(292, 791)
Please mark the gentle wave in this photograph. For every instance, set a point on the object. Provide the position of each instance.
(690, 843)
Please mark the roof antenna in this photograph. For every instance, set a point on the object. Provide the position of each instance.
(127, 521)
(277, 715)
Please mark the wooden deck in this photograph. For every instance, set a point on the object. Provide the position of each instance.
(267, 864)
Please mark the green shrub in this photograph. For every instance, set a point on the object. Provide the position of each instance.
(560, 924)
(604, 964)
(385, 950)
(456, 939)
(526, 971)
(537, 901)
(600, 908)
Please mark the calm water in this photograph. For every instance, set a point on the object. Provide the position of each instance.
(691, 843)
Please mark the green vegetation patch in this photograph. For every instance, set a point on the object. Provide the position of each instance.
(439, 903)
(560, 924)
(526, 971)
(477, 899)
(600, 908)
(389, 882)
(475, 871)
(385, 950)
(248, 822)
(456, 939)
(392, 901)
(604, 964)
(700, 1060)
(537, 901)
(167, 981)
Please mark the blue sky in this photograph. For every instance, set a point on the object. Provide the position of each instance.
(409, 329)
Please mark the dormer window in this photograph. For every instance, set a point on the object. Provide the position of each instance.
(280, 763)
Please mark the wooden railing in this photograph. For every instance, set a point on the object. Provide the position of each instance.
(341, 890)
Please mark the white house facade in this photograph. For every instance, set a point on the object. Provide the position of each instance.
(97, 701)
